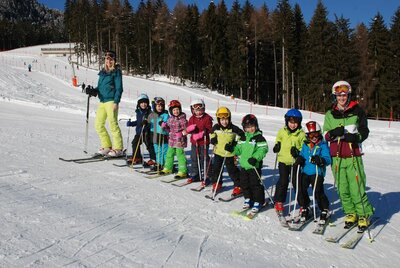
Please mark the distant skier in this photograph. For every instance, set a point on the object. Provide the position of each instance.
(29, 67)
(345, 127)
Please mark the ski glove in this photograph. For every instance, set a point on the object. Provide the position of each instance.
(252, 161)
(294, 152)
(299, 161)
(163, 124)
(352, 138)
(190, 128)
(337, 132)
(317, 160)
(277, 147)
(243, 137)
(144, 122)
(130, 123)
(198, 136)
(91, 91)
(229, 147)
(214, 140)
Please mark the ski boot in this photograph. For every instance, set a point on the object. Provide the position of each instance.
(246, 204)
(180, 175)
(304, 214)
(363, 223)
(216, 187)
(323, 218)
(236, 191)
(256, 207)
(279, 208)
(165, 172)
(350, 220)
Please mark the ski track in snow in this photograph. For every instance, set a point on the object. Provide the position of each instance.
(64, 214)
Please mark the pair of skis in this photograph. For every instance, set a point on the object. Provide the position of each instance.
(247, 214)
(354, 238)
(91, 159)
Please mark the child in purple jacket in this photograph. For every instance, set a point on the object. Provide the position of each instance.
(177, 141)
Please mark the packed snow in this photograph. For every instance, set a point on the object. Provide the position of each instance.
(56, 213)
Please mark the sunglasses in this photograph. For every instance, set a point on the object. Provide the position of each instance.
(313, 135)
(341, 90)
(198, 106)
(110, 54)
(223, 115)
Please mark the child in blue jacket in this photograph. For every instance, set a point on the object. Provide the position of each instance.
(314, 157)
(143, 111)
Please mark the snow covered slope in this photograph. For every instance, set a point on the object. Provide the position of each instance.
(64, 214)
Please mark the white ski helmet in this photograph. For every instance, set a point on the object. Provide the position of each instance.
(199, 102)
(341, 87)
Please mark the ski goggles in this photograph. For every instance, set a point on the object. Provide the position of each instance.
(197, 106)
(223, 115)
(313, 135)
(341, 90)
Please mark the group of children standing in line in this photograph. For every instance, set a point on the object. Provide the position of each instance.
(165, 135)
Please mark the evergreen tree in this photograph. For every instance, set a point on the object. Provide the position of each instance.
(365, 88)
(379, 38)
(237, 51)
(319, 56)
(394, 46)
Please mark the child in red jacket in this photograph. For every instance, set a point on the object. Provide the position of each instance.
(200, 126)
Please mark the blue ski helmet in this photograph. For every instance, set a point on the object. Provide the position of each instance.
(294, 114)
(142, 98)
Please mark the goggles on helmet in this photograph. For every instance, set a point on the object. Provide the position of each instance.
(197, 106)
(223, 115)
(341, 90)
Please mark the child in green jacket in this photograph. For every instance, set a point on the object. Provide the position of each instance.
(251, 149)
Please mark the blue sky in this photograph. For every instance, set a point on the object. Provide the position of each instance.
(356, 10)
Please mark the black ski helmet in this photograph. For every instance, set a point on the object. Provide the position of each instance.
(249, 120)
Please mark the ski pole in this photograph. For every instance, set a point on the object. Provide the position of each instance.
(159, 152)
(359, 189)
(219, 176)
(297, 190)
(259, 177)
(198, 158)
(313, 192)
(314, 186)
(127, 139)
(273, 178)
(87, 125)
(137, 147)
(291, 188)
(336, 164)
(205, 153)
